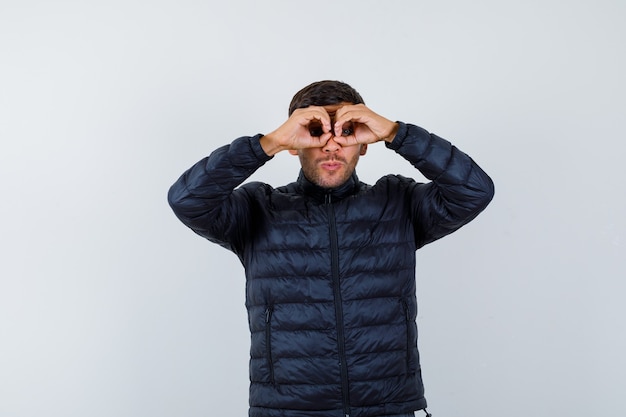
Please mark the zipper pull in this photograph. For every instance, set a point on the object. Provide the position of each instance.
(268, 314)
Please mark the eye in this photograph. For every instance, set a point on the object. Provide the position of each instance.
(347, 129)
(316, 131)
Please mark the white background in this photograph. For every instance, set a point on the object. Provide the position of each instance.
(111, 307)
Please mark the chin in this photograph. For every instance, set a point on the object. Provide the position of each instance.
(331, 184)
(329, 181)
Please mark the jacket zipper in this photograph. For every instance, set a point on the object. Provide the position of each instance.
(407, 320)
(334, 250)
(268, 341)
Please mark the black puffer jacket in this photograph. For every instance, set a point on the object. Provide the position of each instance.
(330, 287)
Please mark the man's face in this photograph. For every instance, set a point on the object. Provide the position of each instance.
(331, 165)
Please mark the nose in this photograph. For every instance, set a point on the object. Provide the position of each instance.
(331, 146)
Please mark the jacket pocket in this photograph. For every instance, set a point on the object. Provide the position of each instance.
(268, 341)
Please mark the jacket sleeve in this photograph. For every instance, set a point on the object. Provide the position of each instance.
(206, 197)
(459, 189)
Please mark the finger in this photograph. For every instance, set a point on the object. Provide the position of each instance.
(346, 121)
(348, 108)
(351, 108)
(318, 114)
(348, 126)
(320, 141)
(346, 140)
(345, 129)
(325, 138)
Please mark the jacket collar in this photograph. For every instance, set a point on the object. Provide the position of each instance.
(335, 194)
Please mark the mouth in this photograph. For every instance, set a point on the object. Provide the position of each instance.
(331, 165)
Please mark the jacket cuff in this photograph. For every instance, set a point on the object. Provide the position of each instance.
(256, 147)
(401, 134)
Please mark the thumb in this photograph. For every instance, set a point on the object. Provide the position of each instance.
(323, 139)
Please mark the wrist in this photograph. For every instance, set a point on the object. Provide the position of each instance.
(391, 133)
(270, 146)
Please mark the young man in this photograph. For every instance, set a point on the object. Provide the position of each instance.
(329, 260)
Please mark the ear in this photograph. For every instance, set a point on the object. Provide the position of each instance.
(363, 149)
(293, 151)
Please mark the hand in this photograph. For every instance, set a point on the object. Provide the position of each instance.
(357, 124)
(310, 127)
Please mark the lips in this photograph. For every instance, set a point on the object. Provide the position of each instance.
(331, 165)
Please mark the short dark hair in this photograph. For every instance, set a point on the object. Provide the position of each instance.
(324, 93)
